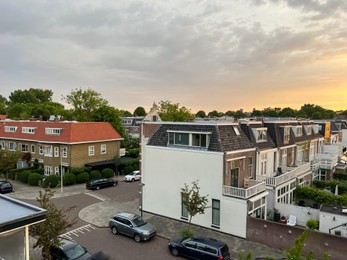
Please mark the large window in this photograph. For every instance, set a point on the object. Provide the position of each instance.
(196, 140)
(184, 210)
(215, 212)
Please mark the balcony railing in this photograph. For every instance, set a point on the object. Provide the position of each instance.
(288, 173)
(254, 188)
(327, 160)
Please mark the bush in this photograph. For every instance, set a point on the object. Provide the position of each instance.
(34, 178)
(24, 175)
(51, 181)
(128, 169)
(312, 224)
(94, 175)
(76, 171)
(185, 233)
(69, 179)
(82, 177)
(107, 173)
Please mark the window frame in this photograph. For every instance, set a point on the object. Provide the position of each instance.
(91, 150)
(215, 213)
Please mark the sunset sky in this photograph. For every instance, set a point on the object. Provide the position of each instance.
(205, 55)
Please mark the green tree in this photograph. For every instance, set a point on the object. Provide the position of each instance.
(19, 111)
(84, 102)
(239, 114)
(173, 112)
(230, 113)
(140, 111)
(125, 113)
(287, 112)
(8, 160)
(193, 201)
(32, 95)
(215, 113)
(3, 105)
(56, 223)
(111, 115)
(200, 114)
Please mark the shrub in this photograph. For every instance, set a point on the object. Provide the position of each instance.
(185, 233)
(312, 224)
(82, 177)
(51, 181)
(69, 179)
(24, 175)
(107, 173)
(76, 171)
(128, 169)
(94, 175)
(34, 178)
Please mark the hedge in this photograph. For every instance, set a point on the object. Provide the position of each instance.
(51, 181)
(94, 175)
(107, 173)
(24, 175)
(82, 177)
(69, 179)
(34, 178)
(78, 170)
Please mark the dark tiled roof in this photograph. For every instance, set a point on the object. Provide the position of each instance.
(223, 137)
(276, 133)
(247, 129)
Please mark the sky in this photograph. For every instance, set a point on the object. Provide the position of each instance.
(205, 55)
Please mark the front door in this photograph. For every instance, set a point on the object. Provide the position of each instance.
(234, 177)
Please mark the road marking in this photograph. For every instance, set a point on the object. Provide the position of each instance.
(78, 231)
(96, 195)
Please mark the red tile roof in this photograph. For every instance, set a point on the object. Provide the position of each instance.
(71, 132)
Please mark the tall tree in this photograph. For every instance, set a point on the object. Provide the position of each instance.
(3, 105)
(200, 114)
(85, 102)
(193, 201)
(140, 111)
(215, 113)
(8, 160)
(125, 113)
(173, 112)
(56, 223)
(111, 115)
(32, 95)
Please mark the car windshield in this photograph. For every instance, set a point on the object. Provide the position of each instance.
(138, 221)
(75, 252)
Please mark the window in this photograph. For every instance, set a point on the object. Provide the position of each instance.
(64, 151)
(309, 129)
(90, 150)
(286, 137)
(56, 151)
(47, 150)
(184, 210)
(56, 170)
(194, 140)
(32, 148)
(40, 149)
(237, 132)
(250, 166)
(215, 212)
(199, 140)
(48, 170)
(103, 149)
(24, 147)
(11, 146)
(298, 131)
(28, 130)
(53, 131)
(11, 129)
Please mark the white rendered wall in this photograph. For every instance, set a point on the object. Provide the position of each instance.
(166, 170)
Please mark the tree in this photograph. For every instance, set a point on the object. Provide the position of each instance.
(85, 102)
(287, 112)
(32, 95)
(56, 223)
(111, 115)
(3, 104)
(173, 112)
(139, 111)
(125, 113)
(200, 114)
(193, 201)
(239, 114)
(215, 113)
(8, 160)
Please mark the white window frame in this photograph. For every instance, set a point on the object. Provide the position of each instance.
(25, 146)
(11, 146)
(56, 151)
(64, 151)
(53, 131)
(48, 170)
(286, 134)
(56, 170)
(103, 149)
(32, 148)
(40, 149)
(28, 130)
(91, 150)
(10, 129)
(47, 150)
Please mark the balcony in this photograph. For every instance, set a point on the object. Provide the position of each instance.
(288, 173)
(327, 161)
(255, 187)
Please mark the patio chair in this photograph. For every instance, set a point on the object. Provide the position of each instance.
(291, 221)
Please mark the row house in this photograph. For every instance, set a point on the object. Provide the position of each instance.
(59, 145)
(216, 154)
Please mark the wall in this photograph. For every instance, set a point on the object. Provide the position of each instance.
(166, 170)
(329, 220)
(302, 213)
(281, 236)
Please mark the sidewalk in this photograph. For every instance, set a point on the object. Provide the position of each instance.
(99, 213)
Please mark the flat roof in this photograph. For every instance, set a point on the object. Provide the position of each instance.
(16, 213)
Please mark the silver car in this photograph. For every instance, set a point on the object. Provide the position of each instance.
(132, 225)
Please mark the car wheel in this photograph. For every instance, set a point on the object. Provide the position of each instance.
(114, 184)
(174, 252)
(133, 180)
(137, 238)
(98, 187)
(114, 231)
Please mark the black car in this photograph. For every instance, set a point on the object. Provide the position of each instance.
(5, 187)
(68, 250)
(101, 183)
(200, 248)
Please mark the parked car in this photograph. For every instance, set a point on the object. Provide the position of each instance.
(5, 186)
(68, 250)
(134, 176)
(101, 183)
(132, 225)
(200, 248)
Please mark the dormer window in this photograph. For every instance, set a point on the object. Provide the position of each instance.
(53, 131)
(192, 139)
(28, 130)
(10, 129)
(260, 134)
(286, 134)
(316, 129)
(309, 129)
(298, 131)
